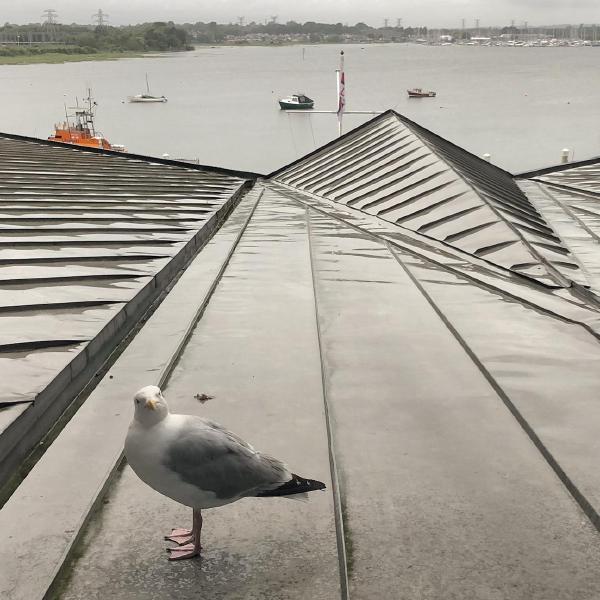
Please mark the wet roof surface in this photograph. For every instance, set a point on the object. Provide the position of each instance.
(437, 374)
(585, 178)
(570, 199)
(394, 315)
(80, 234)
(405, 174)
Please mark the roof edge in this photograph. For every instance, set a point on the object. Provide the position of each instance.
(143, 157)
(416, 125)
(387, 113)
(556, 168)
(404, 120)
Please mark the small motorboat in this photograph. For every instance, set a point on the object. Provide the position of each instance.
(419, 93)
(296, 102)
(147, 97)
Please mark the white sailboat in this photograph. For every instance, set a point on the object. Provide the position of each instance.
(147, 97)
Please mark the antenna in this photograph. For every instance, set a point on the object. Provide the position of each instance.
(100, 18)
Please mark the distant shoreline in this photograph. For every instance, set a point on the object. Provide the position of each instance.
(57, 57)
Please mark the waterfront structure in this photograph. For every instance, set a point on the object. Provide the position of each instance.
(409, 323)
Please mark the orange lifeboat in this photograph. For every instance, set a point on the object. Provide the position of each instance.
(81, 130)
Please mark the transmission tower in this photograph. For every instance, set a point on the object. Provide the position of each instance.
(398, 23)
(240, 21)
(51, 17)
(274, 19)
(385, 23)
(100, 18)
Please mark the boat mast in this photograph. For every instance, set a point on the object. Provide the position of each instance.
(147, 85)
(89, 114)
(67, 117)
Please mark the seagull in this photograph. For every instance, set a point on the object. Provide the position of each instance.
(200, 464)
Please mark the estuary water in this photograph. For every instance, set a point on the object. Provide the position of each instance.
(520, 105)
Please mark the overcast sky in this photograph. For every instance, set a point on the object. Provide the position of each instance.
(432, 13)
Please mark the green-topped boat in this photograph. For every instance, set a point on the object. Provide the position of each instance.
(296, 102)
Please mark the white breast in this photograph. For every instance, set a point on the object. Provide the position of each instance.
(145, 450)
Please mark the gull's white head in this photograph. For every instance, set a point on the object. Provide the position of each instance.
(150, 405)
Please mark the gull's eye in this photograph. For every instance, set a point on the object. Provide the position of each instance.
(137, 401)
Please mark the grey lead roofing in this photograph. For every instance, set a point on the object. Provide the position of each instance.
(405, 174)
(422, 353)
(569, 196)
(81, 234)
(584, 178)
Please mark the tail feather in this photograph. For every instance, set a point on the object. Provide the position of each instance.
(296, 485)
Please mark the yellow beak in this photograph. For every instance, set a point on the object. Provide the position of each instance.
(151, 404)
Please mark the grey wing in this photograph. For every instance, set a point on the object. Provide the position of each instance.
(212, 458)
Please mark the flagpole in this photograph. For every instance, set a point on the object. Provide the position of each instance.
(341, 90)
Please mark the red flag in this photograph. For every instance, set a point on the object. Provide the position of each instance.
(342, 85)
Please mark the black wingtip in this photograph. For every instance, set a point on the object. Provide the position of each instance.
(296, 485)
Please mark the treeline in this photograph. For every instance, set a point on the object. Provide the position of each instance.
(79, 39)
(211, 33)
(215, 33)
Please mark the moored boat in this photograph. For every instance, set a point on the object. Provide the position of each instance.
(147, 97)
(419, 93)
(81, 131)
(296, 102)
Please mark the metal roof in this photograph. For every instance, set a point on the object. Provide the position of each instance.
(397, 170)
(583, 178)
(569, 196)
(82, 235)
(433, 387)
(433, 396)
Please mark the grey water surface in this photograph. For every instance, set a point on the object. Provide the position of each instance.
(521, 105)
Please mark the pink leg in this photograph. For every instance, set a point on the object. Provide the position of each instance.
(180, 536)
(189, 550)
